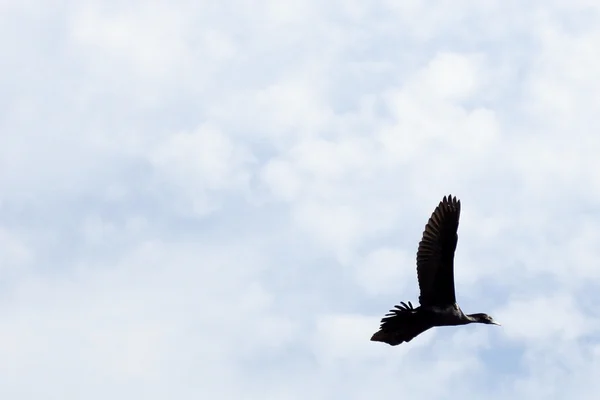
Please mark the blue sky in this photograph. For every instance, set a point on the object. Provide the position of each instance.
(221, 199)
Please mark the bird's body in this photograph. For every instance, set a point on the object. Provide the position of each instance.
(435, 273)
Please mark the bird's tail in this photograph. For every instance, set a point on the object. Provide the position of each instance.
(401, 335)
(385, 337)
(400, 325)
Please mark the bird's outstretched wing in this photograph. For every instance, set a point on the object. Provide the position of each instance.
(435, 256)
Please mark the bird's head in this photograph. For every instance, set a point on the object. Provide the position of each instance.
(483, 319)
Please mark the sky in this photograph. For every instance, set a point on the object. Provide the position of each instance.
(221, 200)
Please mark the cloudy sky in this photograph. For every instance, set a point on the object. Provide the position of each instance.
(220, 200)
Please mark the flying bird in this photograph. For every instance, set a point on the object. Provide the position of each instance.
(435, 273)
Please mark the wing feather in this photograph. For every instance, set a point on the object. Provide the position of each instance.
(435, 255)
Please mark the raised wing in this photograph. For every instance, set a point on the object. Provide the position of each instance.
(435, 256)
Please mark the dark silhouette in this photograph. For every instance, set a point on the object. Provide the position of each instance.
(435, 272)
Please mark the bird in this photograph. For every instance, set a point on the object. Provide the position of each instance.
(435, 275)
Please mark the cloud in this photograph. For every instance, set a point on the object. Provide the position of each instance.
(224, 199)
(200, 163)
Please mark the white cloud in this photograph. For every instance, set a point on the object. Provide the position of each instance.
(148, 39)
(387, 271)
(222, 200)
(200, 162)
(546, 320)
(14, 250)
(450, 76)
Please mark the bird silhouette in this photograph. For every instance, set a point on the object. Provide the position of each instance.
(435, 273)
